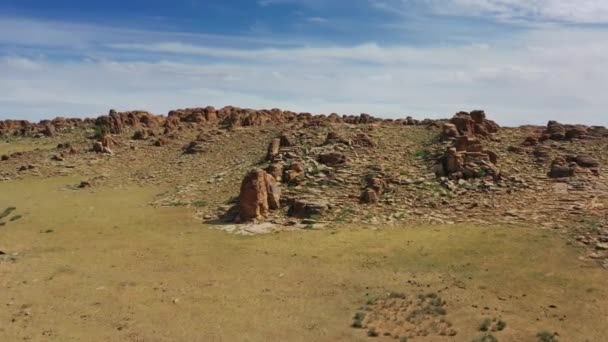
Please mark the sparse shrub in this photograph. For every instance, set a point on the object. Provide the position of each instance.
(545, 336)
(485, 325)
(486, 338)
(396, 295)
(481, 174)
(358, 320)
(422, 153)
(233, 200)
(100, 131)
(199, 203)
(501, 325)
(403, 339)
(372, 332)
(7, 212)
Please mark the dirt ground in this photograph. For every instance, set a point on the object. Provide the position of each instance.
(100, 264)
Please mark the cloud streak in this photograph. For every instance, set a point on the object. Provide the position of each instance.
(530, 77)
(523, 11)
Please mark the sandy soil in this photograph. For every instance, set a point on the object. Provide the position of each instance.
(101, 264)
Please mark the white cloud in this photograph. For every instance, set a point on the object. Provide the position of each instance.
(575, 11)
(539, 75)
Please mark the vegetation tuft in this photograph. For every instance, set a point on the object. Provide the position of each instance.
(7, 212)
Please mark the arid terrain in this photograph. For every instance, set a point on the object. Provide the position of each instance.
(266, 225)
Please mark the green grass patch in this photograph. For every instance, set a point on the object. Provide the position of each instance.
(200, 203)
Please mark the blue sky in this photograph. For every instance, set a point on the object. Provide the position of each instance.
(522, 61)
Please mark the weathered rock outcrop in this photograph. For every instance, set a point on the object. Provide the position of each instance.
(470, 124)
(260, 193)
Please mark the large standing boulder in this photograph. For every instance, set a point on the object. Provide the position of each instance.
(273, 149)
(556, 131)
(260, 193)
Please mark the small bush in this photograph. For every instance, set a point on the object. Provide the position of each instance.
(233, 200)
(422, 153)
(7, 212)
(199, 203)
(358, 320)
(372, 332)
(485, 325)
(100, 132)
(545, 336)
(486, 338)
(501, 325)
(15, 218)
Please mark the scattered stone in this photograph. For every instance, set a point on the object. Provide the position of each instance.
(561, 169)
(587, 161)
(194, 147)
(333, 158)
(307, 208)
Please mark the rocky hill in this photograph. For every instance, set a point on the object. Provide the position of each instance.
(256, 171)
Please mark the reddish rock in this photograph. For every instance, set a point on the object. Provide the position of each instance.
(449, 130)
(260, 193)
(276, 170)
(273, 149)
(287, 140)
(364, 140)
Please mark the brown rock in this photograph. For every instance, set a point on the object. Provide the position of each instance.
(307, 208)
(531, 141)
(454, 161)
(335, 138)
(4, 157)
(253, 198)
(276, 170)
(273, 149)
(333, 158)
(587, 161)
(286, 140)
(140, 134)
(260, 193)
(369, 196)
(560, 169)
(161, 142)
(556, 131)
(449, 130)
(194, 147)
(576, 132)
(364, 140)
(274, 192)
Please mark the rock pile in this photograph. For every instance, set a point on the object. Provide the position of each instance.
(470, 124)
(467, 159)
